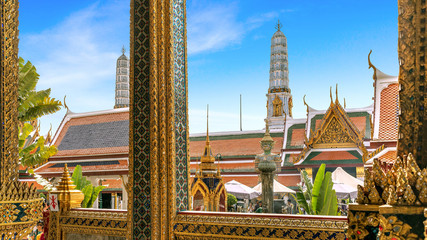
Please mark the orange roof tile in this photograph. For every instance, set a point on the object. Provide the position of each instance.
(234, 147)
(289, 181)
(334, 155)
(359, 122)
(32, 181)
(297, 137)
(389, 156)
(389, 110)
(52, 167)
(250, 181)
(112, 183)
(93, 151)
(225, 165)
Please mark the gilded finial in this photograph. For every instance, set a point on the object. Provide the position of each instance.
(372, 66)
(330, 93)
(305, 103)
(336, 92)
(123, 50)
(345, 106)
(279, 25)
(65, 105)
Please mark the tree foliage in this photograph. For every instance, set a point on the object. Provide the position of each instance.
(90, 192)
(318, 198)
(231, 200)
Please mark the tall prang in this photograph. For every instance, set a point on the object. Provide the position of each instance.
(122, 81)
(279, 98)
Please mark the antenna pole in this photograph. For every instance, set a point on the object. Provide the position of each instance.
(240, 112)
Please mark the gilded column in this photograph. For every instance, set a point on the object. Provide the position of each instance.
(412, 79)
(152, 152)
(9, 90)
(20, 204)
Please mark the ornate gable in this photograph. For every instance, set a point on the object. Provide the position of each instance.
(336, 130)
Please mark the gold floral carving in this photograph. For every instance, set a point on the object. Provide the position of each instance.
(334, 133)
(359, 222)
(392, 228)
(404, 184)
(188, 226)
(412, 80)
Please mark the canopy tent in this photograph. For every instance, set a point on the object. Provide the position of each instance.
(344, 191)
(277, 188)
(240, 190)
(341, 176)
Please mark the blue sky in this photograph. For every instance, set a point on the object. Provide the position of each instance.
(74, 46)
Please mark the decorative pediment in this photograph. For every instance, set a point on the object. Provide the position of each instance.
(336, 130)
(334, 135)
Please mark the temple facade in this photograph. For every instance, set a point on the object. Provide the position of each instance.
(279, 98)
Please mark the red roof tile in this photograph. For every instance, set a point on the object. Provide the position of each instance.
(389, 110)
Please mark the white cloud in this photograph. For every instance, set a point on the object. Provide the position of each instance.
(212, 27)
(77, 57)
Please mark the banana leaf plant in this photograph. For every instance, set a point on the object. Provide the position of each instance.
(318, 198)
(90, 192)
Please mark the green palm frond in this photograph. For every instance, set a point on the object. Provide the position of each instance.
(28, 78)
(33, 108)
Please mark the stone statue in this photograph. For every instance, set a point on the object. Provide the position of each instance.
(267, 163)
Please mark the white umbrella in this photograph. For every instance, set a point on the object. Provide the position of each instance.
(341, 176)
(344, 191)
(240, 190)
(277, 188)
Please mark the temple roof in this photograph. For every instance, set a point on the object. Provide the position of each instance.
(234, 144)
(101, 132)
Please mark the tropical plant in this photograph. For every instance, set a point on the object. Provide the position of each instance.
(33, 104)
(32, 148)
(318, 198)
(90, 192)
(231, 200)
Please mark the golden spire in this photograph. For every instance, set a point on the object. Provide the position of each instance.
(207, 124)
(68, 196)
(330, 94)
(207, 158)
(279, 25)
(345, 106)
